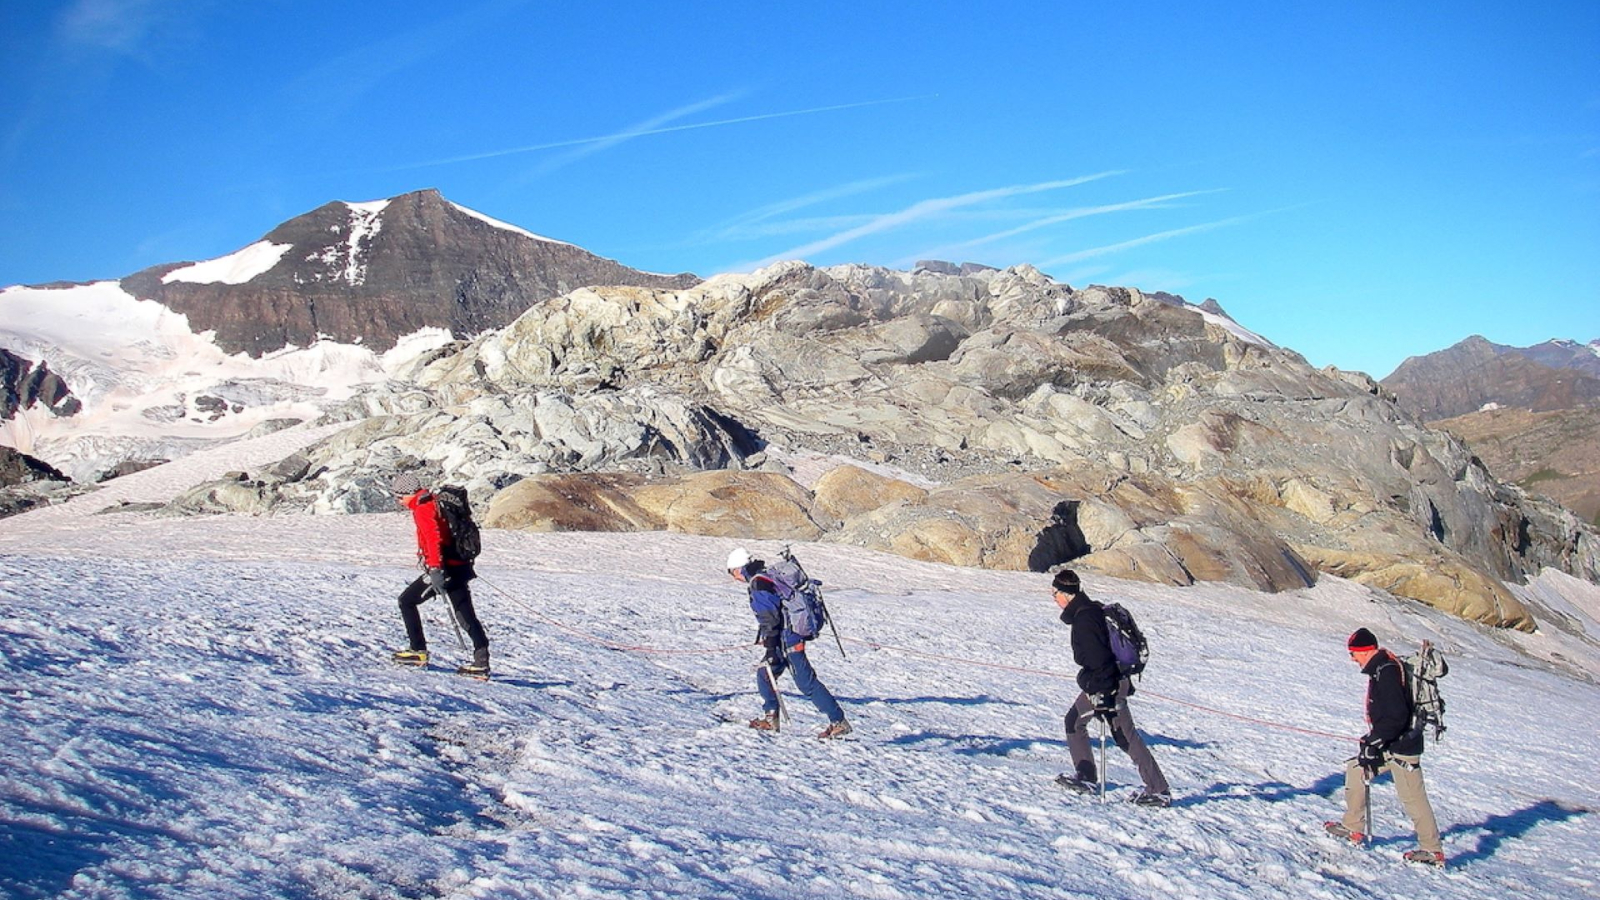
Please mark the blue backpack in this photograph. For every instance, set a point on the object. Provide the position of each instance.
(804, 613)
(1128, 643)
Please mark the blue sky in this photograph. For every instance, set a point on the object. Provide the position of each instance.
(1360, 182)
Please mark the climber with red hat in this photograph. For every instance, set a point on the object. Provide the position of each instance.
(1393, 744)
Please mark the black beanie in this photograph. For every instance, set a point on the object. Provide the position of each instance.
(1362, 639)
(1066, 581)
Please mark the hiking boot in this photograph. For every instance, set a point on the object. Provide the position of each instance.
(1160, 800)
(1338, 830)
(1077, 785)
(411, 657)
(835, 729)
(768, 722)
(1426, 857)
(475, 670)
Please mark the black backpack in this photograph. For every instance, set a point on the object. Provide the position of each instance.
(1128, 643)
(465, 538)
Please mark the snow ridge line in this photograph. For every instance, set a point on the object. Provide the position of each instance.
(874, 645)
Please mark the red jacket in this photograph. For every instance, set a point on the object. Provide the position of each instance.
(433, 535)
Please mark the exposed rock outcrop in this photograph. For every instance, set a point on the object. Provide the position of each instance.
(1032, 425)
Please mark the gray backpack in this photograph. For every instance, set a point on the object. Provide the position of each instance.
(1422, 672)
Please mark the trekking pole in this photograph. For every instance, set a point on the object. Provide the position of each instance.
(828, 614)
(455, 620)
(783, 711)
(1366, 836)
(1105, 728)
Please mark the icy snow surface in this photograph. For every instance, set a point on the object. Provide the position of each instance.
(203, 707)
(235, 268)
(139, 370)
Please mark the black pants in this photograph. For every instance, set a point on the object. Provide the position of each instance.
(460, 597)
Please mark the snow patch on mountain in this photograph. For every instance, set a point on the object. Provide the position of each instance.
(152, 387)
(505, 226)
(346, 258)
(1234, 328)
(235, 268)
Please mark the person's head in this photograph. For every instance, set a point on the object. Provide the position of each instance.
(1362, 645)
(737, 560)
(1065, 586)
(404, 485)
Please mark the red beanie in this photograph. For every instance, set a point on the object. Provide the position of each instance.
(1362, 639)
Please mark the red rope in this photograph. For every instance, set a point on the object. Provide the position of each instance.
(940, 657)
(1049, 674)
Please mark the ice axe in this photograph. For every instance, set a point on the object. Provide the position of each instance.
(436, 581)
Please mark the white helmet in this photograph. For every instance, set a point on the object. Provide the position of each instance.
(738, 559)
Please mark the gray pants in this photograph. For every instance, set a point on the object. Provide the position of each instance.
(1122, 731)
(1407, 773)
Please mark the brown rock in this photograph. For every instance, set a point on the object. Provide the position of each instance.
(725, 503)
(848, 491)
(578, 502)
(1441, 582)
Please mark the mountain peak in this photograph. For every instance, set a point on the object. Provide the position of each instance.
(374, 271)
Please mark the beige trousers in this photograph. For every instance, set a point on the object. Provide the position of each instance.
(1407, 773)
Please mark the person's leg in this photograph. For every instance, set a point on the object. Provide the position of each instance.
(1355, 798)
(1077, 725)
(410, 598)
(1127, 737)
(765, 676)
(461, 600)
(1408, 783)
(807, 682)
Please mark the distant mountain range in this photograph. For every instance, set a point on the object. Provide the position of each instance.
(1532, 414)
(1476, 373)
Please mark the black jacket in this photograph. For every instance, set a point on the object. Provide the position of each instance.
(1091, 645)
(1389, 706)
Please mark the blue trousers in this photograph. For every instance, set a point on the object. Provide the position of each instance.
(805, 678)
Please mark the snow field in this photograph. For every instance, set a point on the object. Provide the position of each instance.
(204, 707)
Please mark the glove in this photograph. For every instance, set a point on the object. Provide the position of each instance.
(1105, 704)
(436, 579)
(1370, 757)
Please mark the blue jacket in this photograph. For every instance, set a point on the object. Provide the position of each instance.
(767, 605)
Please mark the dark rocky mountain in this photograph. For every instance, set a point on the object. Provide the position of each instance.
(1476, 372)
(20, 468)
(372, 272)
(25, 384)
(1584, 358)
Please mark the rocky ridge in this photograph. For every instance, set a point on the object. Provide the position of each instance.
(977, 417)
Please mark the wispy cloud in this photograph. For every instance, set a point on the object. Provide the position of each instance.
(116, 25)
(339, 84)
(923, 210)
(1085, 212)
(1109, 249)
(755, 223)
(611, 139)
(652, 125)
(1055, 218)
